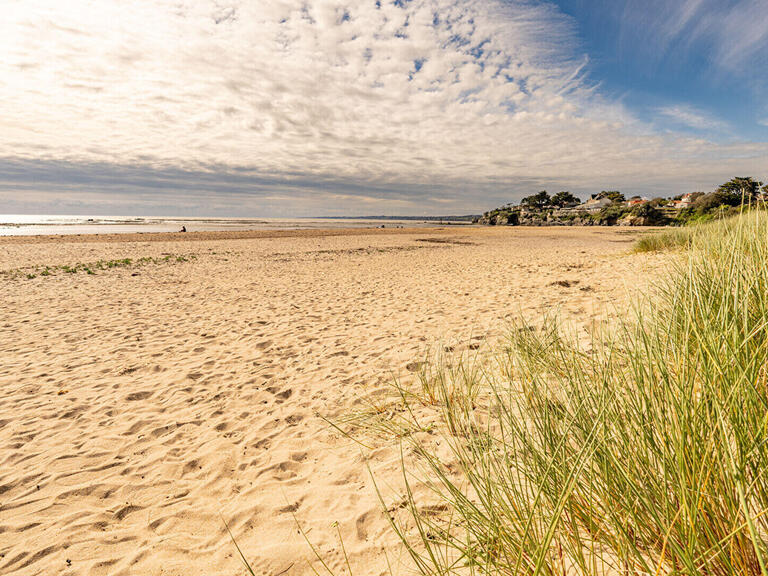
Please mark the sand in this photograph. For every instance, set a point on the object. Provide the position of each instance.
(144, 405)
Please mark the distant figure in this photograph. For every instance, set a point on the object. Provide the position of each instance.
(183, 229)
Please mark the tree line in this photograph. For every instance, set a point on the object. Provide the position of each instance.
(700, 206)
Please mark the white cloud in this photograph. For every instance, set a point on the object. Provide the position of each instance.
(388, 95)
(731, 35)
(686, 115)
(741, 36)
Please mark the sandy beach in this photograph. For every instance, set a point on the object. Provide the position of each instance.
(188, 379)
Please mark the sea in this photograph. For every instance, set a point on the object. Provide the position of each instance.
(35, 225)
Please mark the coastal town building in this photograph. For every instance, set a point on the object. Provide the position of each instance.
(685, 201)
(596, 204)
(637, 201)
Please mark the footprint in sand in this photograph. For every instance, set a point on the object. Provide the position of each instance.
(126, 510)
(281, 396)
(138, 396)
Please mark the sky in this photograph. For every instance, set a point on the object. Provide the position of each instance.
(339, 107)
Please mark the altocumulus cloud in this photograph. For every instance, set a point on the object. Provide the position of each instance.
(316, 106)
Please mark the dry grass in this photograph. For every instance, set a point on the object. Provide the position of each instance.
(643, 453)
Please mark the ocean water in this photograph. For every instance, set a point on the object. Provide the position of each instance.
(39, 224)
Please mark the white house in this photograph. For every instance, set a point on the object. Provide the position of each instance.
(593, 205)
(684, 202)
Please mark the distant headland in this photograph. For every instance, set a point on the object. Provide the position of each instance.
(611, 208)
(466, 218)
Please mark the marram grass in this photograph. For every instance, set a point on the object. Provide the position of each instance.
(643, 452)
(667, 239)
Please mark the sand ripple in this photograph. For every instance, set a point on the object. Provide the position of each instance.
(140, 407)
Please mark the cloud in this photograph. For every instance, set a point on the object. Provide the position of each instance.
(403, 104)
(730, 34)
(741, 35)
(691, 117)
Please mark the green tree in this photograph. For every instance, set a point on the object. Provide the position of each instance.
(564, 198)
(536, 201)
(609, 215)
(651, 215)
(736, 189)
(712, 201)
(612, 195)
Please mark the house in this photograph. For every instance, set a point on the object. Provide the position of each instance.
(685, 201)
(637, 201)
(595, 205)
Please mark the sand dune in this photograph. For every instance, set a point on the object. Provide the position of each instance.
(144, 404)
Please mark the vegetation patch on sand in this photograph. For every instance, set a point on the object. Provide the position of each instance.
(93, 267)
(642, 451)
(666, 240)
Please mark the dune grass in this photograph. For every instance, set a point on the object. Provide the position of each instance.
(644, 451)
(667, 239)
(683, 237)
(91, 268)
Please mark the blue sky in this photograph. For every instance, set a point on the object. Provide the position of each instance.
(654, 54)
(344, 107)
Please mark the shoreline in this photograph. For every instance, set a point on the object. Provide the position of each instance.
(212, 235)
